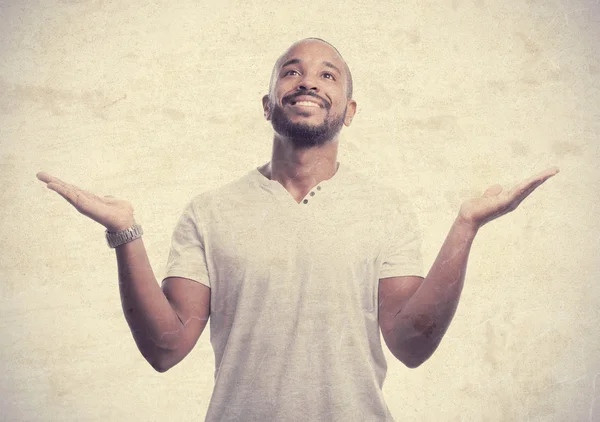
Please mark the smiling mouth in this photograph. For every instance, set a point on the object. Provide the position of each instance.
(305, 104)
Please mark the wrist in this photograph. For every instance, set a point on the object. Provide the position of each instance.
(466, 225)
(121, 237)
(121, 225)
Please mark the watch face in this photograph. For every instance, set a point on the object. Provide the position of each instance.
(124, 236)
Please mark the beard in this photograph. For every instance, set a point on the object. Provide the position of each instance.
(302, 135)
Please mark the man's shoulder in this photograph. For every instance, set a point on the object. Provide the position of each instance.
(372, 185)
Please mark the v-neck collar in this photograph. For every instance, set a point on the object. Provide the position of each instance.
(277, 189)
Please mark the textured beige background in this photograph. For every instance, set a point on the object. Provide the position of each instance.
(156, 101)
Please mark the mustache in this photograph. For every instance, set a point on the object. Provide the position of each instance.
(292, 97)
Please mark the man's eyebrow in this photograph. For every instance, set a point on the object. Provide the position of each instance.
(289, 62)
(326, 63)
(331, 65)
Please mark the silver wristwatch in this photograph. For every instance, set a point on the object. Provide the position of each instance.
(115, 239)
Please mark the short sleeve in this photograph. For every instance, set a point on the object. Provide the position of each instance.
(401, 254)
(187, 258)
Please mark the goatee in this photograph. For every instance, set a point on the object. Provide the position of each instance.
(302, 135)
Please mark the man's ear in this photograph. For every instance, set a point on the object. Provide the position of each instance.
(266, 107)
(350, 112)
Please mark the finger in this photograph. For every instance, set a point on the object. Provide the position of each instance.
(41, 175)
(534, 181)
(61, 187)
(524, 194)
(492, 191)
(63, 190)
(552, 170)
(109, 199)
(45, 177)
(520, 196)
(79, 198)
(544, 175)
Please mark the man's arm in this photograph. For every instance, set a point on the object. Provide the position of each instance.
(414, 313)
(166, 323)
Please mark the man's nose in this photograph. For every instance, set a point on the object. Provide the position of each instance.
(307, 83)
(307, 87)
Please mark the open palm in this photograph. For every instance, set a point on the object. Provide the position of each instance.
(496, 202)
(114, 214)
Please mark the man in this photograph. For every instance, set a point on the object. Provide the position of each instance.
(299, 264)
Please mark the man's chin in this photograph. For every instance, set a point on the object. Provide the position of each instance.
(308, 119)
(304, 132)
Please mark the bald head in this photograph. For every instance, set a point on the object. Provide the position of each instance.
(281, 59)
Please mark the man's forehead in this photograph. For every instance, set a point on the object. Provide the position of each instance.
(305, 49)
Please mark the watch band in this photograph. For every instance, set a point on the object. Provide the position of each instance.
(119, 238)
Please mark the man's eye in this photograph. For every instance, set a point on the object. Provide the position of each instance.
(328, 76)
(289, 72)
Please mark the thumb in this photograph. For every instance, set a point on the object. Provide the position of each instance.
(109, 199)
(492, 191)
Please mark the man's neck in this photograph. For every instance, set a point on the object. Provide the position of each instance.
(299, 170)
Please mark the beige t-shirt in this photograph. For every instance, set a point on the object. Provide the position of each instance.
(294, 292)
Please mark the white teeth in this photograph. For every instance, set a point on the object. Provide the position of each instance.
(308, 104)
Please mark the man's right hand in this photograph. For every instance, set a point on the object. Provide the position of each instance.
(114, 214)
(165, 322)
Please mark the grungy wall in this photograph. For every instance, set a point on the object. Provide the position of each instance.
(157, 101)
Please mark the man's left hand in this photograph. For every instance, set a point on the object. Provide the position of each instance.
(496, 202)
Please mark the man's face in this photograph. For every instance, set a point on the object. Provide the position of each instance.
(308, 103)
